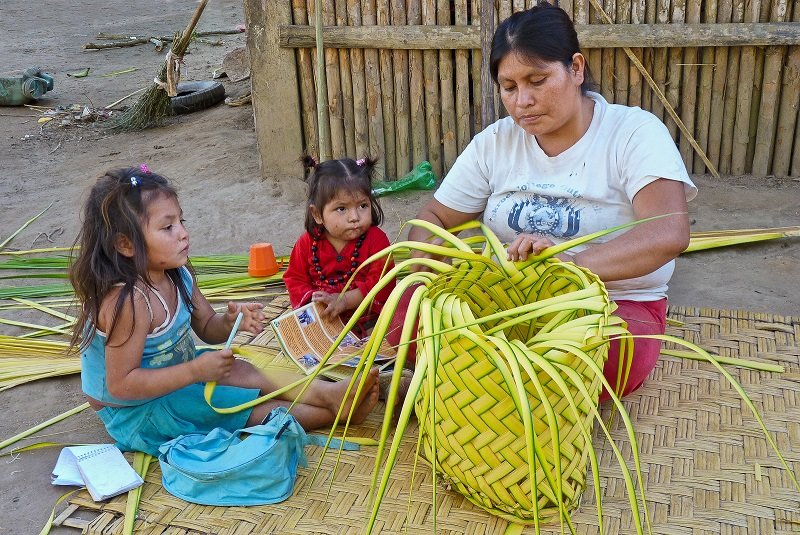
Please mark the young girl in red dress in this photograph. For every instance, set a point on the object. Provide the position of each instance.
(342, 220)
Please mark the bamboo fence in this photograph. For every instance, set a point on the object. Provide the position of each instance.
(406, 79)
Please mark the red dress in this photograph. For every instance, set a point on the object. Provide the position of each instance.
(302, 279)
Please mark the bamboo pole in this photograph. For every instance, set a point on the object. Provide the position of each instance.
(731, 95)
(346, 80)
(333, 80)
(359, 84)
(447, 90)
(787, 116)
(795, 169)
(718, 89)
(307, 91)
(648, 55)
(477, 71)
(637, 16)
(401, 104)
(419, 142)
(660, 61)
(581, 11)
(595, 35)
(433, 109)
(487, 23)
(744, 99)
(766, 128)
(674, 69)
(621, 64)
(323, 121)
(688, 96)
(377, 142)
(608, 66)
(387, 97)
(463, 130)
(755, 102)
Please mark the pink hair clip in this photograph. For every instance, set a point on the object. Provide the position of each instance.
(143, 167)
(360, 162)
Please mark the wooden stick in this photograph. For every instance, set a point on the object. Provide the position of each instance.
(322, 88)
(744, 99)
(122, 37)
(487, 21)
(756, 80)
(447, 91)
(419, 142)
(346, 80)
(377, 144)
(477, 69)
(607, 58)
(719, 77)
(335, 107)
(729, 115)
(787, 116)
(688, 94)
(463, 129)
(129, 95)
(359, 84)
(117, 44)
(674, 70)
(402, 105)
(305, 71)
(637, 16)
(387, 98)
(433, 109)
(621, 63)
(595, 35)
(770, 99)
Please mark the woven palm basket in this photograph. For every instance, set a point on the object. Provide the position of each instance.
(511, 357)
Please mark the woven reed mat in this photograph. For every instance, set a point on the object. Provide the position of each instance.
(706, 465)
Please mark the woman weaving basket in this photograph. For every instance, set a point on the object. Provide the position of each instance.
(566, 163)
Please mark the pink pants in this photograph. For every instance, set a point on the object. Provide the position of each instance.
(642, 317)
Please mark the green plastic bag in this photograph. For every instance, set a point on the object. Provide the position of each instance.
(421, 177)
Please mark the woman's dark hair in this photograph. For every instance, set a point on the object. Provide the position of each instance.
(116, 207)
(544, 33)
(326, 179)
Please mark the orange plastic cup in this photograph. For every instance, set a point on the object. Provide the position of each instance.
(262, 260)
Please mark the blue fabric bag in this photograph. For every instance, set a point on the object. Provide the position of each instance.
(221, 468)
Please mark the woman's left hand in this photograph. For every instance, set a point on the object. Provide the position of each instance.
(252, 316)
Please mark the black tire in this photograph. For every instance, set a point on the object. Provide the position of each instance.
(196, 96)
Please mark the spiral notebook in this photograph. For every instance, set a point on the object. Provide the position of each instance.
(101, 467)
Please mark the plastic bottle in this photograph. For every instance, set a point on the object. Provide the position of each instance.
(421, 177)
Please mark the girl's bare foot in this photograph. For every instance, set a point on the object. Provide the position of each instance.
(365, 403)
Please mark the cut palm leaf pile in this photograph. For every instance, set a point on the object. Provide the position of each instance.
(724, 238)
(507, 378)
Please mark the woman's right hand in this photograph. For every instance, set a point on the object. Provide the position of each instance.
(527, 244)
(213, 365)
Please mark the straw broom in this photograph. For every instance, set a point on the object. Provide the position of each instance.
(155, 103)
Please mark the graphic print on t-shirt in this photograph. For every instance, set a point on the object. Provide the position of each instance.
(546, 216)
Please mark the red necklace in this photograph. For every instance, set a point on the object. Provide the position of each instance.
(333, 281)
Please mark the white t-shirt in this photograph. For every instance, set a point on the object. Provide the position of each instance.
(589, 187)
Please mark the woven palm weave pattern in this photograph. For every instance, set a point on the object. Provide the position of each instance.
(476, 429)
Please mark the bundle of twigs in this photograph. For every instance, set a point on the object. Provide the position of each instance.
(154, 104)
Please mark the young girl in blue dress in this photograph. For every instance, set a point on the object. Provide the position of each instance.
(139, 306)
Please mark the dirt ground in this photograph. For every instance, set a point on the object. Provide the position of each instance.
(212, 156)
